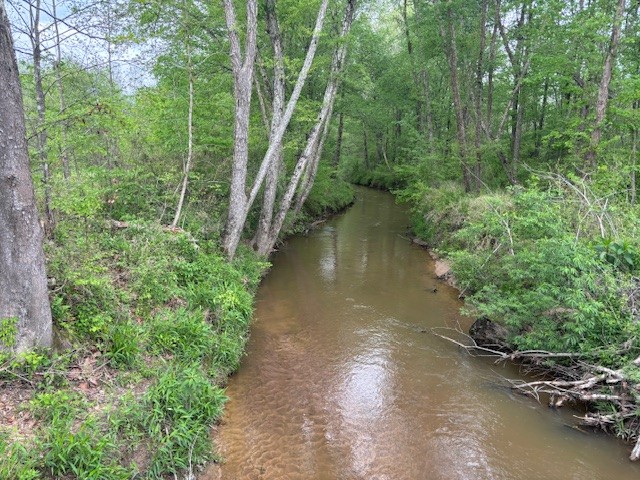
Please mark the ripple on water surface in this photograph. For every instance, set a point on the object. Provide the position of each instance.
(344, 381)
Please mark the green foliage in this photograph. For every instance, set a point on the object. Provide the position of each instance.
(84, 452)
(181, 407)
(621, 255)
(17, 461)
(52, 405)
(8, 331)
(329, 194)
(123, 348)
(82, 196)
(519, 262)
(183, 333)
(28, 363)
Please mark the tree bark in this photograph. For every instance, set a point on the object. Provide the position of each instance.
(634, 163)
(365, 146)
(189, 162)
(64, 154)
(479, 95)
(492, 68)
(336, 156)
(242, 90)
(23, 282)
(603, 91)
(428, 111)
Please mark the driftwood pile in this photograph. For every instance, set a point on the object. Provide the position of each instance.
(610, 398)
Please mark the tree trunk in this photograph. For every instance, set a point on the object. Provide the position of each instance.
(41, 129)
(452, 58)
(242, 90)
(492, 68)
(336, 156)
(479, 95)
(239, 202)
(543, 111)
(188, 164)
(64, 154)
(278, 104)
(634, 163)
(428, 111)
(308, 161)
(420, 121)
(365, 146)
(603, 91)
(23, 281)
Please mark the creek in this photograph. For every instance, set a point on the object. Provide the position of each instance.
(343, 379)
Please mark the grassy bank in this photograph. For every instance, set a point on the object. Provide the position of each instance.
(150, 322)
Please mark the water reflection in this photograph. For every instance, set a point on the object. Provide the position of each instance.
(344, 382)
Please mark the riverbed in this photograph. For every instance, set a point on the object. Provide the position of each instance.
(344, 380)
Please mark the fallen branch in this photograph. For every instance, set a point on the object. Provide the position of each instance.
(577, 382)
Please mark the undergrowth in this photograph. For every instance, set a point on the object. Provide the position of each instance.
(558, 274)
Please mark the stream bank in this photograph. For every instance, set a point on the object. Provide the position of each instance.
(563, 308)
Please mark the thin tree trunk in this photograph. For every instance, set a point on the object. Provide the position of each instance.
(634, 163)
(452, 58)
(543, 111)
(517, 140)
(41, 130)
(278, 104)
(379, 144)
(188, 164)
(365, 146)
(336, 156)
(479, 95)
(420, 122)
(519, 60)
(492, 69)
(24, 295)
(263, 106)
(64, 156)
(312, 169)
(291, 104)
(428, 111)
(240, 203)
(603, 91)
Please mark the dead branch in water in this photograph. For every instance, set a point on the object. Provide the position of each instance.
(576, 382)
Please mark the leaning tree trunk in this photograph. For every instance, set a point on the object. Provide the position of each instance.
(307, 163)
(23, 283)
(239, 201)
(189, 162)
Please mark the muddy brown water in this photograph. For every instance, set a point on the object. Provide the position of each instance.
(343, 380)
